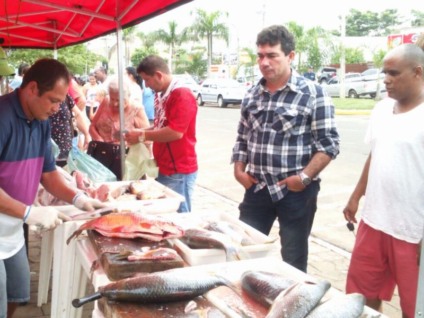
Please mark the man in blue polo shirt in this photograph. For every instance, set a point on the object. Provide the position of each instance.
(26, 159)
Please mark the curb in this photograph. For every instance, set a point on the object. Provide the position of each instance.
(352, 112)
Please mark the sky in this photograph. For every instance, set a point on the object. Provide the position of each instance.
(248, 17)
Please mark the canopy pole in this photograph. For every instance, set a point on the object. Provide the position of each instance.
(121, 95)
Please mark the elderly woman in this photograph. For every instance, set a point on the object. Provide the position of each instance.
(105, 125)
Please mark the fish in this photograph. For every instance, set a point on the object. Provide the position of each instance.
(340, 306)
(298, 300)
(202, 238)
(160, 253)
(131, 225)
(158, 287)
(237, 234)
(264, 286)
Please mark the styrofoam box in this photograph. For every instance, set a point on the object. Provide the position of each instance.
(265, 244)
(170, 203)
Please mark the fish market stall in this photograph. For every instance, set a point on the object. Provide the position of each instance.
(224, 300)
(221, 289)
(161, 200)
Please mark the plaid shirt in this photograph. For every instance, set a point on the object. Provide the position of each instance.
(279, 133)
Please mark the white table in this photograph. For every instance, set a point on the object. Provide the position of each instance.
(231, 270)
(54, 248)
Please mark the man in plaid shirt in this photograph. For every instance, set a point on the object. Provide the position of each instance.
(286, 137)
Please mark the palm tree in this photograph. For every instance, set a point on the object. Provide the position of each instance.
(209, 26)
(249, 63)
(170, 38)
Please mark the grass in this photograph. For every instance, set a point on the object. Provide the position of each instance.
(354, 103)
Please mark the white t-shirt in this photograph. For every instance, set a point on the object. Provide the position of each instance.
(394, 198)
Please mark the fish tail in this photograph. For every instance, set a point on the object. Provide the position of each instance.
(75, 234)
(78, 302)
(229, 284)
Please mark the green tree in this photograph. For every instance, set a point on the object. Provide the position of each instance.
(171, 38)
(361, 23)
(76, 57)
(209, 26)
(299, 34)
(248, 62)
(352, 56)
(18, 56)
(370, 23)
(377, 59)
(141, 53)
(191, 62)
(418, 18)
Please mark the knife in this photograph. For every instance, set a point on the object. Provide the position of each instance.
(94, 214)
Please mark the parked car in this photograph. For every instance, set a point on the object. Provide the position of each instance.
(326, 73)
(222, 91)
(354, 86)
(188, 81)
(372, 74)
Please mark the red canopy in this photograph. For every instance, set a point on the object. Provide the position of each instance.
(55, 24)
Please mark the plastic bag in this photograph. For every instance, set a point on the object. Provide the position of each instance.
(78, 160)
(55, 149)
(138, 163)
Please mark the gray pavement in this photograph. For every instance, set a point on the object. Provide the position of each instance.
(325, 260)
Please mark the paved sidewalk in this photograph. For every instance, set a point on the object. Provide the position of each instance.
(325, 261)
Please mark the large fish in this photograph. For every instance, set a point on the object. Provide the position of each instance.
(298, 300)
(340, 306)
(263, 286)
(158, 287)
(201, 238)
(131, 225)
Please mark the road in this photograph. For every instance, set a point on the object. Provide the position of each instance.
(216, 134)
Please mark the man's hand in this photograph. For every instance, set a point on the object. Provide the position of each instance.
(132, 137)
(245, 179)
(44, 217)
(350, 210)
(84, 202)
(293, 183)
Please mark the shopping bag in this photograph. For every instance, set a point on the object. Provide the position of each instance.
(108, 154)
(138, 163)
(97, 172)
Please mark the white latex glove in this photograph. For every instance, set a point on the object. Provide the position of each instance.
(44, 217)
(84, 202)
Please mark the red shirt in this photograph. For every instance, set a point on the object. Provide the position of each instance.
(177, 109)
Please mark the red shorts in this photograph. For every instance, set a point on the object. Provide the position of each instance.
(380, 262)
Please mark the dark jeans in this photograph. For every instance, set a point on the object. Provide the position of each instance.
(295, 213)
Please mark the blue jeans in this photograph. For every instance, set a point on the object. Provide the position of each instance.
(295, 213)
(182, 184)
(14, 280)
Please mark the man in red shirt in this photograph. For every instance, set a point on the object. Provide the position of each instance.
(174, 130)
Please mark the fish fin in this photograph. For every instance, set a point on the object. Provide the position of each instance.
(75, 234)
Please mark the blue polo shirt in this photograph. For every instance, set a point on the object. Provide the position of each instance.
(25, 153)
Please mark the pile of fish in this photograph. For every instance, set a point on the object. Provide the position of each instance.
(132, 225)
(159, 287)
(290, 299)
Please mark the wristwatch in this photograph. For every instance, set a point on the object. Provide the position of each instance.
(142, 137)
(306, 180)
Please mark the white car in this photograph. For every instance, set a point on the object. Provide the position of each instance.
(222, 91)
(188, 81)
